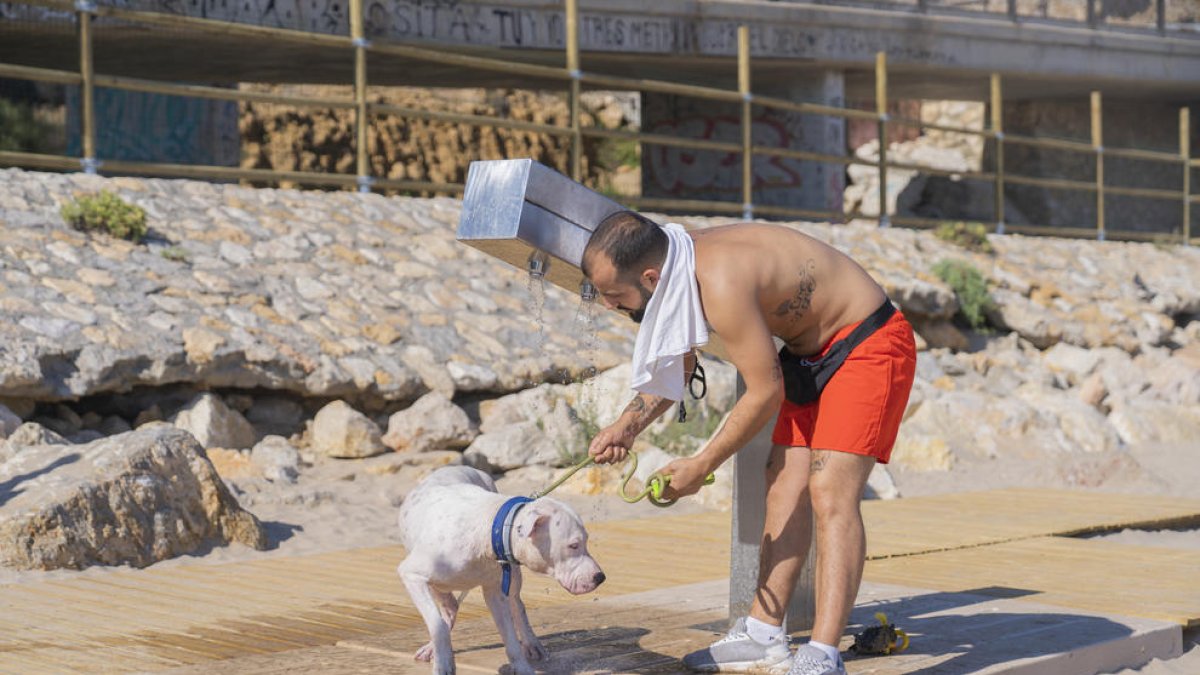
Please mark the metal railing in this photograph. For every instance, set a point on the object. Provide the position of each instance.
(575, 78)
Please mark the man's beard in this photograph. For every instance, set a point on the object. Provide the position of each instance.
(638, 314)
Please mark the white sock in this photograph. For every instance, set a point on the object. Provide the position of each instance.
(830, 650)
(761, 631)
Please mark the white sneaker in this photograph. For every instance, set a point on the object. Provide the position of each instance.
(737, 652)
(812, 661)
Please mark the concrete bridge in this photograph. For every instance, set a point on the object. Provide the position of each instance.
(933, 53)
(1142, 54)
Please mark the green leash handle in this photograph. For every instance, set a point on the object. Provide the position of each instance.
(652, 491)
(656, 484)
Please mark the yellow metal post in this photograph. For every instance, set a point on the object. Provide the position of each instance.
(1185, 153)
(881, 106)
(361, 120)
(1098, 145)
(573, 68)
(998, 129)
(87, 87)
(747, 130)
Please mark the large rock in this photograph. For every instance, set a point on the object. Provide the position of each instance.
(8, 421)
(341, 431)
(1176, 379)
(918, 297)
(939, 333)
(279, 461)
(1027, 318)
(32, 433)
(1120, 374)
(214, 424)
(973, 425)
(1141, 422)
(880, 484)
(1077, 362)
(512, 447)
(132, 499)
(432, 423)
(523, 406)
(1083, 426)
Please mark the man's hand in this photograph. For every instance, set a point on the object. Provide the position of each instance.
(612, 444)
(687, 477)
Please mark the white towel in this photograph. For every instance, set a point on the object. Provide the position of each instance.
(673, 323)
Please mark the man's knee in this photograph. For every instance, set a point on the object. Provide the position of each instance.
(832, 502)
(836, 482)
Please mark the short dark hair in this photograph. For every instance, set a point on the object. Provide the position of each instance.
(631, 241)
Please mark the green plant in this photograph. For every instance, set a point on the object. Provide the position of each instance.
(611, 192)
(20, 129)
(971, 236)
(1165, 241)
(969, 286)
(681, 438)
(175, 254)
(106, 212)
(613, 153)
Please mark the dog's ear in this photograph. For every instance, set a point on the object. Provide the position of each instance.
(537, 520)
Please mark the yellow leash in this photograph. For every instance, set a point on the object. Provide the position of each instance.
(656, 484)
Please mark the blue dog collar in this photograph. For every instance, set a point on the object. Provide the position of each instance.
(502, 526)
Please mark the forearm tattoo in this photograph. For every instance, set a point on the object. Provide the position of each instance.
(637, 406)
(643, 407)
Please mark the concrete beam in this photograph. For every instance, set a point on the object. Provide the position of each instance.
(693, 39)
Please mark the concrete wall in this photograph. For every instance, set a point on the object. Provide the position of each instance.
(690, 174)
(1126, 124)
(144, 127)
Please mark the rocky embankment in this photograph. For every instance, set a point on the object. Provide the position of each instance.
(302, 334)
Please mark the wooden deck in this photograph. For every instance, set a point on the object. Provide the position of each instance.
(1001, 544)
(1098, 576)
(961, 520)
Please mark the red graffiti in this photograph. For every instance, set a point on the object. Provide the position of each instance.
(679, 171)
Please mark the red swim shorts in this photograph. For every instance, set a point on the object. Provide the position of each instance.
(860, 409)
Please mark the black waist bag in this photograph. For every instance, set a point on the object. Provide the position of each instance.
(803, 379)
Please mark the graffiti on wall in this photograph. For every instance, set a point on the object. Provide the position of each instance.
(505, 25)
(683, 172)
(779, 181)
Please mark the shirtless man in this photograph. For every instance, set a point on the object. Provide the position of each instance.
(759, 281)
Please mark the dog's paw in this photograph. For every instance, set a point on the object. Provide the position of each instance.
(446, 668)
(517, 669)
(424, 653)
(534, 651)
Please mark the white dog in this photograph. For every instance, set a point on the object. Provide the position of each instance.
(457, 528)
